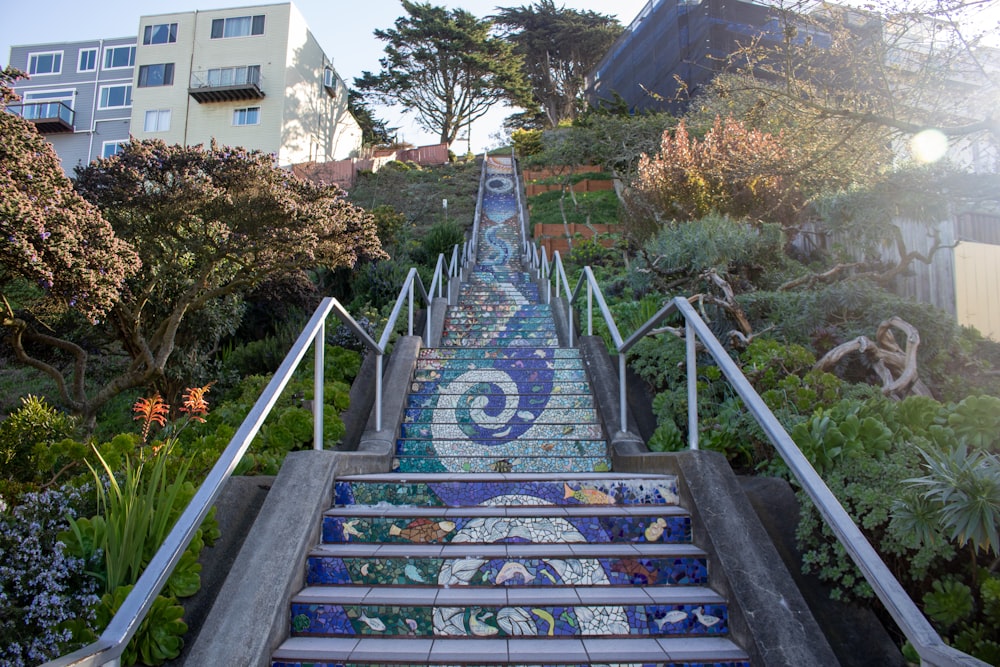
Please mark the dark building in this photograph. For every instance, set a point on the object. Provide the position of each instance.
(678, 39)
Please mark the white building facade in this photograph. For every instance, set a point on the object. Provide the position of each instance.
(248, 76)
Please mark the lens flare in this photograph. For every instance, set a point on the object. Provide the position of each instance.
(928, 146)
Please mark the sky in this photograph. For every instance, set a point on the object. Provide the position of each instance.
(344, 32)
(343, 28)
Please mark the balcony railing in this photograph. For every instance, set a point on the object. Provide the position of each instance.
(226, 84)
(48, 117)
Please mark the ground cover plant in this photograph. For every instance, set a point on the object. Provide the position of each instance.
(914, 462)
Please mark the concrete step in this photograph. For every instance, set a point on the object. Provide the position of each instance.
(476, 652)
(401, 611)
(473, 489)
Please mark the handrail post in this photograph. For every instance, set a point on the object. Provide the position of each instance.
(319, 378)
(692, 384)
(378, 390)
(622, 402)
(590, 308)
(411, 308)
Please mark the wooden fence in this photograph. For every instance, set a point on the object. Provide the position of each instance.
(963, 280)
(977, 287)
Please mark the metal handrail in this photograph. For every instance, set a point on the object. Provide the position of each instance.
(111, 644)
(471, 248)
(907, 616)
(918, 630)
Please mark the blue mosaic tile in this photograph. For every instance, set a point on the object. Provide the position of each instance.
(552, 464)
(654, 490)
(403, 620)
(682, 571)
(600, 529)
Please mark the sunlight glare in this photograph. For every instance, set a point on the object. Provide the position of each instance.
(929, 146)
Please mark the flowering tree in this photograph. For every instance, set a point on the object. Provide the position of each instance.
(57, 249)
(206, 225)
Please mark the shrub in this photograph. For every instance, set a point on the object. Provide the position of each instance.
(43, 588)
(35, 423)
(733, 171)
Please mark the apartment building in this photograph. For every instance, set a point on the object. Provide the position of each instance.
(247, 76)
(79, 95)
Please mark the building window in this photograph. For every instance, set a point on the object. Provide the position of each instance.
(115, 97)
(330, 80)
(88, 60)
(238, 26)
(45, 63)
(65, 95)
(116, 57)
(48, 104)
(157, 120)
(248, 116)
(233, 76)
(109, 148)
(156, 75)
(160, 33)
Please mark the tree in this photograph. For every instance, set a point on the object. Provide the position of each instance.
(444, 66)
(58, 250)
(559, 47)
(876, 77)
(206, 224)
(373, 130)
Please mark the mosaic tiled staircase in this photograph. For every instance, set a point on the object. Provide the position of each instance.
(502, 537)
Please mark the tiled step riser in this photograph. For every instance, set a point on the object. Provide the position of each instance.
(501, 621)
(482, 337)
(538, 530)
(541, 572)
(521, 376)
(500, 365)
(442, 529)
(428, 353)
(451, 401)
(479, 408)
(543, 388)
(504, 449)
(520, 464)
(496, 342)
(507, 330)
(488, 322)
(511, 429)
(535, 309)
(444, 492)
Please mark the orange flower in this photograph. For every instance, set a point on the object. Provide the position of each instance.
(195, 404)
(149, 410)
